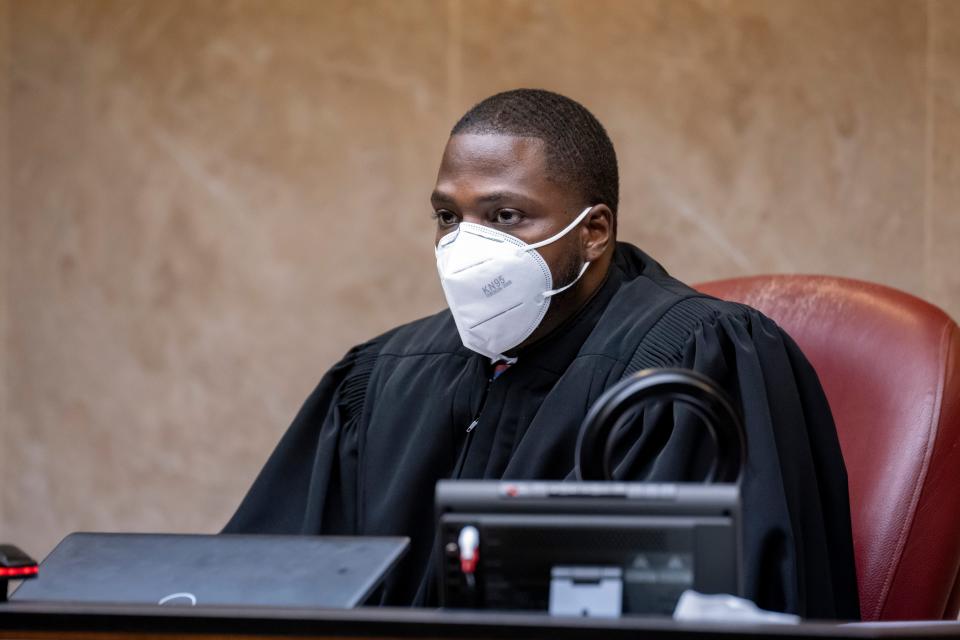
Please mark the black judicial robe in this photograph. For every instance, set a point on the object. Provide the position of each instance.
(390, 419)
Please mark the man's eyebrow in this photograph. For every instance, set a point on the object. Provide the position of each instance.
(497, 196)
(440, 196)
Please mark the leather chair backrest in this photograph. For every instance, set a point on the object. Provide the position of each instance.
(890, 366)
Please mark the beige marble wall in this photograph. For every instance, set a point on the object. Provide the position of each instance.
(5, 436)
(942, 252)
(209, 202)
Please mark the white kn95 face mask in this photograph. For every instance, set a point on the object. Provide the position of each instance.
(497, 286)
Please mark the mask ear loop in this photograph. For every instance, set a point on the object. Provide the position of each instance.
(553, 292)
(554, 238)
(565, 231)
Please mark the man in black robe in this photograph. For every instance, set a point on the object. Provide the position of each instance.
(415, 405)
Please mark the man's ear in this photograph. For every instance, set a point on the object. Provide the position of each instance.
(599, 232)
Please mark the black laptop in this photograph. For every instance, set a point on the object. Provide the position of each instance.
(240, 570)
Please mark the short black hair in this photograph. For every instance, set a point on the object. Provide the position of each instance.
(578, 149)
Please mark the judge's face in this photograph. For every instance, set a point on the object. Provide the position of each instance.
(502, 182)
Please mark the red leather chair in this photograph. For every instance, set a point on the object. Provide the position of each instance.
(890, 366)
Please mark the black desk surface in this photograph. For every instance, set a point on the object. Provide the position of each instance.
(24, 620)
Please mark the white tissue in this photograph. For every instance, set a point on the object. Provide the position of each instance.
(721, 607)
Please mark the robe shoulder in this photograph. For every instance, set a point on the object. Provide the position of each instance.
(299, 489)
(650, 320)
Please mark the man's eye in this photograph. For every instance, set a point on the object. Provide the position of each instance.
(445, 218)
(508, 216)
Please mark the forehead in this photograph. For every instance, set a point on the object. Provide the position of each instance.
(474, 163)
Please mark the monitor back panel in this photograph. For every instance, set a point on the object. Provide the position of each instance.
(663, 537)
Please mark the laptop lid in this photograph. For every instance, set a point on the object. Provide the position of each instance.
(227, 569)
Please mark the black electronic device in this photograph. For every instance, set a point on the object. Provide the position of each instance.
(14, 565)
(540, 541)
(238, 570)
(599, 547)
